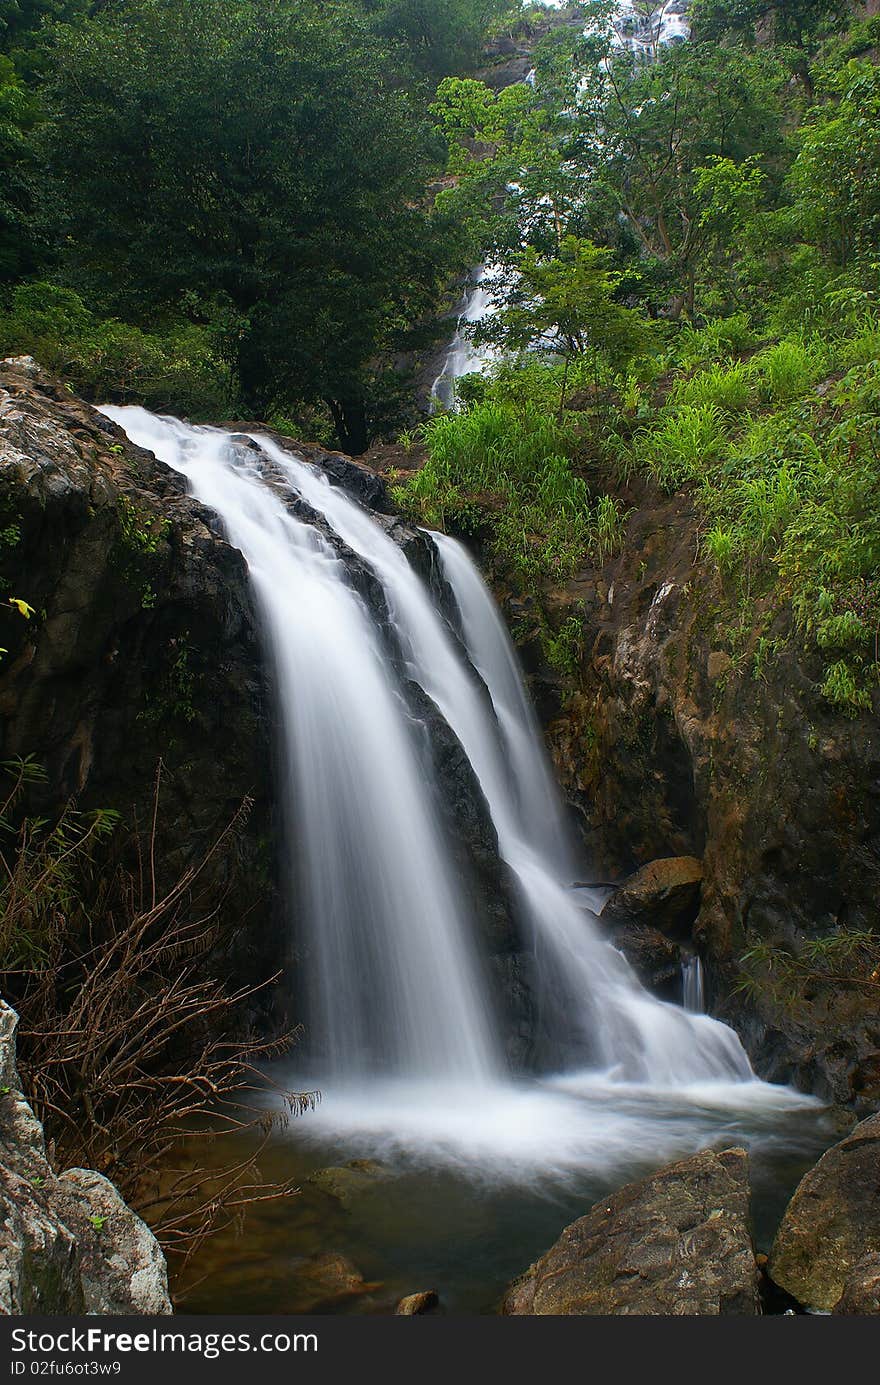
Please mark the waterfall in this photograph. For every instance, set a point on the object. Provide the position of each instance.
(642, 29)
(396, 982)
(463, 356)
(633, 1036)
(394, 977)
(401, 1032)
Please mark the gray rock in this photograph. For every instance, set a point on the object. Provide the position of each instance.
(832, 1223)
(68, 1243)
(676, 1243)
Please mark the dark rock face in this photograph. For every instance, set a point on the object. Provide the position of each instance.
(667, 746)
(832, 1224)
(677, 1243)
(655, 959)
(662, 894)
(143, 646)
(68, 1243)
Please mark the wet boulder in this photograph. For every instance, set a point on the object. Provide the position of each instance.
(654, 958)
(861, 1292)
(663, 894)
(417, 1305)
(674, 1244)
(832, 1224)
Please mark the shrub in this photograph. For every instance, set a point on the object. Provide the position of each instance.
(729, 387)
(787, 370)
(684, 445)
(176, 370)
(720, 337)
(127, 1043)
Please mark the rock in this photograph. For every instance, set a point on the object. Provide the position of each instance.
(654, 958)
(832, 1223)
(68, 1243)
(326, 1281)
(861, 1292)
(415, 1305)
(663, 753)
(121, 1266)
(676, 1243)
(347, 1181)
(663, 894)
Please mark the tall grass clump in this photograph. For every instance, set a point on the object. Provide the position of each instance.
(787, 370)
(684, 445)
(727, 385)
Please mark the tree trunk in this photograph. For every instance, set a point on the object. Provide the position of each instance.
(350, 421)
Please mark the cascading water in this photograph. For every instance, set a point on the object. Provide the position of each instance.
(395, 981)
(642, 30)
(400, 1025)
(463, 356)
(693, 986)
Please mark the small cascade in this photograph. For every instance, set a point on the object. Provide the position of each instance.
(463, 356)
(693, 985)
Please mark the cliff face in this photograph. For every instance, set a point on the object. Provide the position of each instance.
(670, 744)
(142, 645)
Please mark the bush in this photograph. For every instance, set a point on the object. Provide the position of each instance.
(727, 386)
(177, 370)
(684, 445)
(720, 337)
(126, 1042)
(787, 370)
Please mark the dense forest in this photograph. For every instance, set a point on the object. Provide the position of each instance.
(682, 253)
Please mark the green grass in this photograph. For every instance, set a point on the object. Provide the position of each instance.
(683, 445)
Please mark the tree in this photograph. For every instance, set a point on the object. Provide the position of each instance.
(256, 167)
(440, 36)
(18, 118)
(566, 305)
(695, 105)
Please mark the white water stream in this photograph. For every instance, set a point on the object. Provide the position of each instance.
(400, 1026)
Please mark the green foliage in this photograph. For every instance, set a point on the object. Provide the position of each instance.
(726, 386)
(177, 371)
(566, 302)
(216, 156)
(682, 445)
(42, 863)
(514, 463)
(787, 370)
(563, 648)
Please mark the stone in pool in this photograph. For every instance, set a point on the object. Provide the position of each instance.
(675, 1244)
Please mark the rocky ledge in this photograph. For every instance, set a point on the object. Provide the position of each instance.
(68, 1243)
